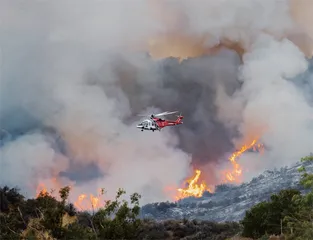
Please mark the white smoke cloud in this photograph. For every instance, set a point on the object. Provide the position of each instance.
(28, 158)
(58, 71)
(238, 20)
(274, 104)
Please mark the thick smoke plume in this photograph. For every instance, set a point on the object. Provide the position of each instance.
(75, 74)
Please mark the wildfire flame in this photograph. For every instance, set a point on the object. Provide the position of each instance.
(94, 202)
(82, 202)
(233, 175)
(196, 190)
(41, 190)
(193, 189)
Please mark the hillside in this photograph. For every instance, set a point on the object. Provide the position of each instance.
(229, 202)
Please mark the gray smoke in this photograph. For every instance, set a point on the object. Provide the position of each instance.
(59, 122)
(71, 89)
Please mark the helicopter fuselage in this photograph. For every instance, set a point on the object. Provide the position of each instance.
(154, 123)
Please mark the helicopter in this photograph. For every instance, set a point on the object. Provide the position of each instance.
(156, 123)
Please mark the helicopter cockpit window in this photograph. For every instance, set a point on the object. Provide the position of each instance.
(145, 123)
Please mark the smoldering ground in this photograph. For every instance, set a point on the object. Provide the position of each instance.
(72, 84)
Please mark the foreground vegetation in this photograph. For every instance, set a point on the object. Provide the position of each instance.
(47, 218)
(288, 213)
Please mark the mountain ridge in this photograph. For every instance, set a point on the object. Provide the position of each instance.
(229, 202)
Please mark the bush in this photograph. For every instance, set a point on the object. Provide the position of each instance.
(47, 218)
(266, 217)
(288, 211)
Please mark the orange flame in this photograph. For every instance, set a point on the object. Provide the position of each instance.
(193, 189)
(197, 190)
(82, 202)
(233, 175)
(41, 190)
(94, 202)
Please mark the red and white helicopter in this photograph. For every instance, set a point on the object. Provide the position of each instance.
(156, 123)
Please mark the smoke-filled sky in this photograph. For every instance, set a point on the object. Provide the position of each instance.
(74, 75)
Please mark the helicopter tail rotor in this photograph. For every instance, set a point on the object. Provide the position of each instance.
(180, 115)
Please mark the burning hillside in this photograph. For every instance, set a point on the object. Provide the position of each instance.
(194, 187)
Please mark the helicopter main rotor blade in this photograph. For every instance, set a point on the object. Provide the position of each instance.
(156, 115)
(164, 113)
(160, 114)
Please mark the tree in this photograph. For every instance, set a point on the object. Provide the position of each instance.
(117, 220)
(254, 222)
(10, 220)
(306, 178)
(300, 224)
(266, 217)
(9, 197)
(287, 211)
